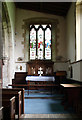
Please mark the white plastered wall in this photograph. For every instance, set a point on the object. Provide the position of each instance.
(74, 38)
(70, 34)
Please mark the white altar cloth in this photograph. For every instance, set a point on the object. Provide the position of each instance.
(40, 78)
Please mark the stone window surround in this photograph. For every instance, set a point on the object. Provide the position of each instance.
(40, 20)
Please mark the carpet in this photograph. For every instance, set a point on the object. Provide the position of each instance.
(38, 105)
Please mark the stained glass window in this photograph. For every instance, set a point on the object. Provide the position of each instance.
(40, 41)
(32, 43)
(40, 44)
(47, 43)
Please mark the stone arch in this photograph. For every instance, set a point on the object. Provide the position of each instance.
(7, 45)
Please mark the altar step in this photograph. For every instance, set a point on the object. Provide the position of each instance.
(51, 116)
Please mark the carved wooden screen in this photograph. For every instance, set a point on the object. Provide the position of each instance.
(40, 67)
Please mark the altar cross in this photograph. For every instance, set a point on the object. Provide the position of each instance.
(40, 71)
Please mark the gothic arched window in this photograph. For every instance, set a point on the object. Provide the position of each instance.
(40, 41)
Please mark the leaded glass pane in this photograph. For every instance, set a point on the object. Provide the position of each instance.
(30, 26)
(40, 43)
(44, 26)
(48, 43)
(40, 34)
(36, 26)
(50, 25)
(32, 44)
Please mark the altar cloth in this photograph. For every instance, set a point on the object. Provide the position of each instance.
(40, 78)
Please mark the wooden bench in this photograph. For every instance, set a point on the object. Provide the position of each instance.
(72, 95)
(60, 77)
(19, 78)
(49, 85)
(9, 108)
(1, 113)
(22, 95)
(37, 85)
(9, 94)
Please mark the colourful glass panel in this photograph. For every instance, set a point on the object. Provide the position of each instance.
(48, 43)
(37, 38)
(40, 43)
(32, 44)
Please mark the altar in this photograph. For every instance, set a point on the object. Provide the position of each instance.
(40, 74)
(40, 82)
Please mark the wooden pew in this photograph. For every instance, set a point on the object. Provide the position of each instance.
(9, 94)
(49, 85)
(19, 78)
(9, 108)
(1, 113)
(72, 95)
(60, 77)
(37, 85)
(22, 95)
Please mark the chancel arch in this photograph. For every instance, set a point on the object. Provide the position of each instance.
(8, 46)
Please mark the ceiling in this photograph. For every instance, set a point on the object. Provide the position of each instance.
(55, 8)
